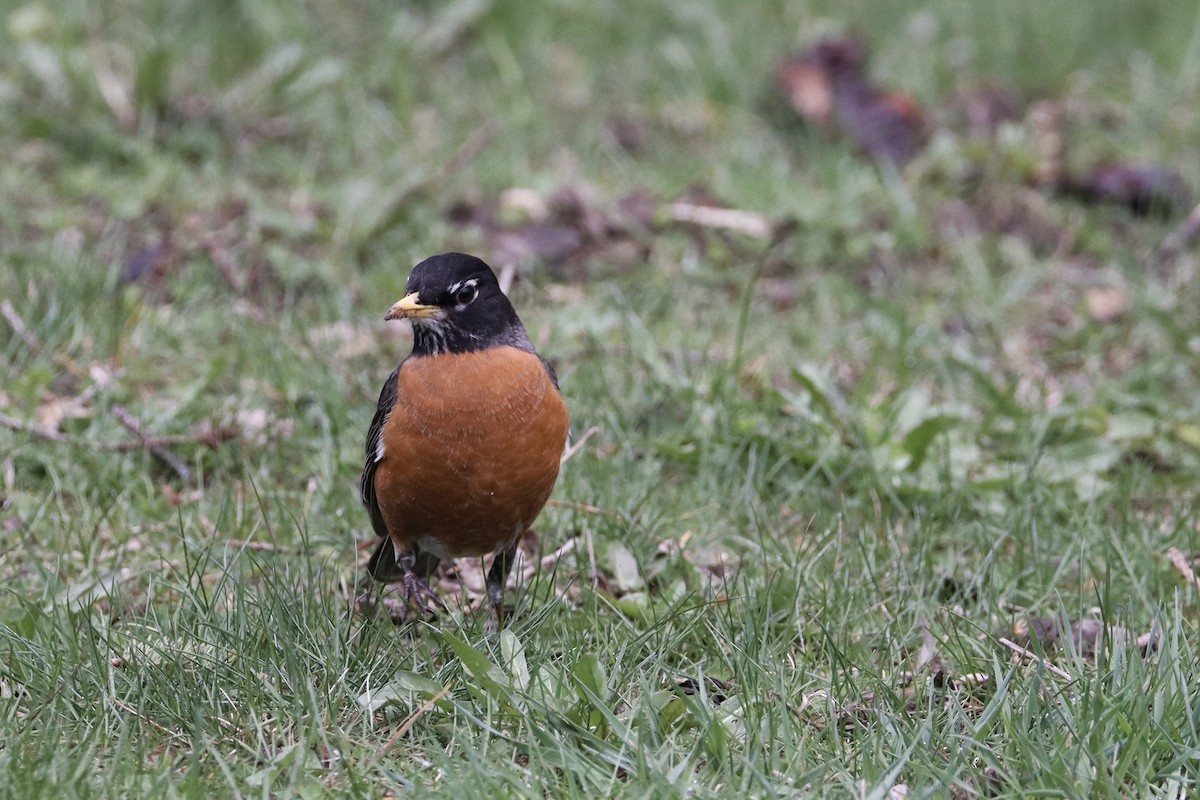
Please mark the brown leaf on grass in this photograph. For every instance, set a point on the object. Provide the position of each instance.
(626, 575)
(808, 84)
(1185, 564)
(714, 566)
(1107, 304)
(829, 86)
(1144, 189)
(520, 204)
(55, 410)
(1088, 637)
(929, 657)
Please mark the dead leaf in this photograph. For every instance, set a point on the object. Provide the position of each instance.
(519, 204)
(1107, 304)
(1087, 636)
(627, 575)
(828, 85)
(53, 412)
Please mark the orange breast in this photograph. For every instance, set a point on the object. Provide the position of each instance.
(471, 451)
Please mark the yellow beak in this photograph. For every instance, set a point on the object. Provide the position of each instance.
(408, 307)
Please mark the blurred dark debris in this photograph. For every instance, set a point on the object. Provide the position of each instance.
(1185, 564)
(716, 689)
(566, 231)
(958, 589)
(969, 692)
(1085, 636)
(1018, 211)
(828, 86)
(974, 783)
(232, 237)
(574, 228)
(982, 108)
(1144, 189)
(630, 132)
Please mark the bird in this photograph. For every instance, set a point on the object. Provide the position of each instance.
(468, 434)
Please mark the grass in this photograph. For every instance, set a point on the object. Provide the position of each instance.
(829, 486)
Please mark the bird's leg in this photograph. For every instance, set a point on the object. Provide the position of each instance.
(416, 589)
(496, 578)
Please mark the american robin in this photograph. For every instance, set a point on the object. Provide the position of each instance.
(465, 445)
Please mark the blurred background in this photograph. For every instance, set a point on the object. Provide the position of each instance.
(878, 317)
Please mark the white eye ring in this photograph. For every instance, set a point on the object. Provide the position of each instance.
(466, 294)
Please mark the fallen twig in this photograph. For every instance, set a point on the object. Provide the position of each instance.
(1184, 235)
(263, 547)
(1032, 656)
(114, 92)
(550, 561)
(750, 223)
(128, 709)
(582, 507)
(408, 723)
(577, 446)
(13, 317)
(593, 571)
(209, 439)
(1183, 563)
(159, 450)
(222, 260)
(18, 325)
(14, 424)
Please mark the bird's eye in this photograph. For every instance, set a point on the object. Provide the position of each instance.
(465, 295)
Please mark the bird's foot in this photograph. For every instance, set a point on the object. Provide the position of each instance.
(420, 597)
(502, 613)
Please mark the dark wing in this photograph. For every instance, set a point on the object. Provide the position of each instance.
(383, 566)
(516, 336)
(549, 371)
(366, 484)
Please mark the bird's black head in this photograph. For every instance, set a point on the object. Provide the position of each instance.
(456, 306)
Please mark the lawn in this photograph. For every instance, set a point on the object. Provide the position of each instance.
(885, 474)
